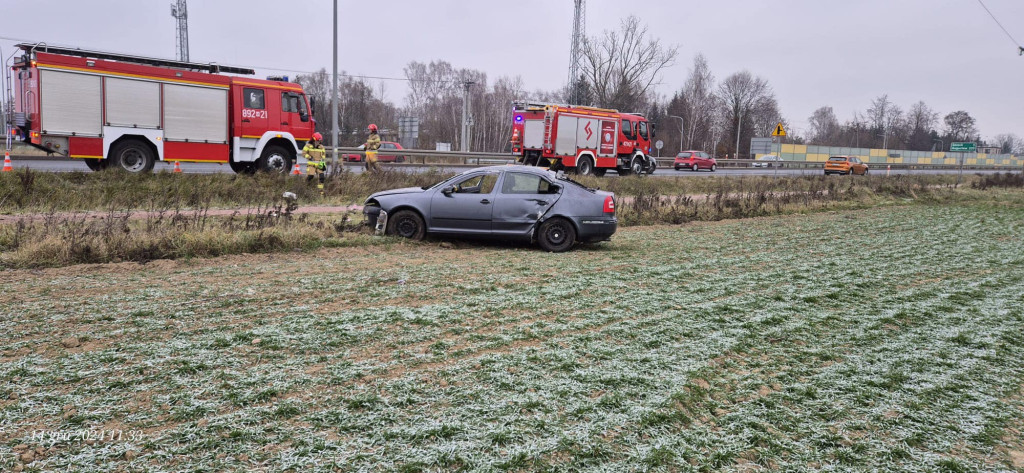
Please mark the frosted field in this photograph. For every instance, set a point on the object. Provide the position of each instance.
(880, 339)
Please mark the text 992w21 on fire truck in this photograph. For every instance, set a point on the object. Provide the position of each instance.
(115, 110)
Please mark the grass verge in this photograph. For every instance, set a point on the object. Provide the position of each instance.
(887, 339)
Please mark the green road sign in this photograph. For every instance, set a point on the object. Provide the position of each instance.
(963, 147)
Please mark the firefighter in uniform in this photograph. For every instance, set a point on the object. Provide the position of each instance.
(371, 146)
(316, 160)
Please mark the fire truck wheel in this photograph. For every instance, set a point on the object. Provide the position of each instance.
(407, 224)
(599, 172)
(636, 166)
(274, 160)
(585, 166)
(243, 168)
(96, 164)
(132, 156)
(556, 235)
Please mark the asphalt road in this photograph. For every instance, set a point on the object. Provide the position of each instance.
(69, 165)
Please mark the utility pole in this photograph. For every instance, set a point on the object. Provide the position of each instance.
(180, 11)
(334, 94)
(579, 32)
(680, 131)
(739, 127)
(467, 119)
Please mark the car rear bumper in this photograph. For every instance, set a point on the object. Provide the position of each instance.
(593, 229)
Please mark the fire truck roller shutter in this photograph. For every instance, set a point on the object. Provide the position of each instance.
(195, 113)
(533, 134)
(71, 103)
(132, 103)
(565, 143)
(588, 131)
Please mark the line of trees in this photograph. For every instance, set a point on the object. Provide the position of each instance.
(621, 69)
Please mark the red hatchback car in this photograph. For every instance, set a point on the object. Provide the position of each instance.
(381, 157)
(694, 161)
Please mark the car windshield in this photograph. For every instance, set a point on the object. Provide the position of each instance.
(442, 181)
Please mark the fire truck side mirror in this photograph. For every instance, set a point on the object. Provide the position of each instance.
(654, 130)
(312, 103)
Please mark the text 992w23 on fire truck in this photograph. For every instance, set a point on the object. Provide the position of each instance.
(128, 112)
(587, 140)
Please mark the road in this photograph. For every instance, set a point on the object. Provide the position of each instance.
(69, 165)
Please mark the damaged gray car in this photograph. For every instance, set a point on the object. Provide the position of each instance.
(506, 202)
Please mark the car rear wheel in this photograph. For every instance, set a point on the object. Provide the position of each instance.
(556, 235)
(407, 224)
(694, 168)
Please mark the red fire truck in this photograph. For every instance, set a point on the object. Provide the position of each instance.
(129, 112)
(582, 139)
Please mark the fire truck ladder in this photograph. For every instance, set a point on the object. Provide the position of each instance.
(212, 68)
(8, 101)
(549, 117)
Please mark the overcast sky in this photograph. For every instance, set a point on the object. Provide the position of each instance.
(840, 53)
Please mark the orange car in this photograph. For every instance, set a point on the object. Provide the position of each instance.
(845, 165)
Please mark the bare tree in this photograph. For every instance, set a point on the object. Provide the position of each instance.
(884, 116)
(1009, 143)
(921, 121)
(960, 126)
(699, 101)
(825, 128)
(738, 94)
(622, 67)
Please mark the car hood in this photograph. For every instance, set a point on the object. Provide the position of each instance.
(404, 190)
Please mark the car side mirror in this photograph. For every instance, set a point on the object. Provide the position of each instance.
(448, 190)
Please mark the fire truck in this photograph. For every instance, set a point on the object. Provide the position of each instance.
(128, 112)
(587, 140)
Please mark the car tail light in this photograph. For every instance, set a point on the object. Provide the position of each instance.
(609, 205)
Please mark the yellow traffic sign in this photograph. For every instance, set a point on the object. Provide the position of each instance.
(779, 131)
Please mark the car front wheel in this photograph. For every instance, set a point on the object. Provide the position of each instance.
(556, 235)
(713, 167)
(407, 224)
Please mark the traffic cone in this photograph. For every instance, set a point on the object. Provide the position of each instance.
(7, 162)
(295, 170)
(177, 166)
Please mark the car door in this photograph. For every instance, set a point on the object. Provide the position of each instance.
(255, 117)
(387, 147)
(294, 115)
(467, 208)
(521, 201)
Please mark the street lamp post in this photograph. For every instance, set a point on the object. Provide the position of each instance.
(680, 131)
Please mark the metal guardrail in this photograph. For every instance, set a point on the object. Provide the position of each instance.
(460, 158)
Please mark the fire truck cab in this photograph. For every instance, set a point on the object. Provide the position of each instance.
(587, 140)
(128, 112)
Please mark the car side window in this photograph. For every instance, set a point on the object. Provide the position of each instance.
(520, 183)
(478, 184)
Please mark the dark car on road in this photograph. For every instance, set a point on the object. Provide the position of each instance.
(694, 161)
(507, 202)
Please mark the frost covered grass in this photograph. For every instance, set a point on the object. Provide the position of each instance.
(882, 339)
